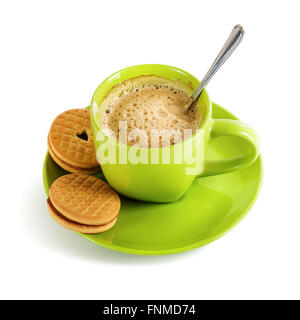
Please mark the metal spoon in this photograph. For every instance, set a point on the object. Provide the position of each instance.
(230, 45)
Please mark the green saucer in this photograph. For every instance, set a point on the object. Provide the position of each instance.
(211, 207)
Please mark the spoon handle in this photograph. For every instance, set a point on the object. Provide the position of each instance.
(230, 45)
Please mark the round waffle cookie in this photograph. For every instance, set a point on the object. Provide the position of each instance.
(70, 142)
(83, 203)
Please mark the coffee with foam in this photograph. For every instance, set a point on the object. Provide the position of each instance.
(147, 111)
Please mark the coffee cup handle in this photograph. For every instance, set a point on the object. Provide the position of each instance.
(226, 127)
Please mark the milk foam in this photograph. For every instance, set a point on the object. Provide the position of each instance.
(153, 110)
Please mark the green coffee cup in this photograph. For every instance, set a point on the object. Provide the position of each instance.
(165, 174)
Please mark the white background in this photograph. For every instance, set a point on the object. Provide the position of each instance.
(53, 56)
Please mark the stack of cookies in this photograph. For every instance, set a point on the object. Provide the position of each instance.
(78, 201)
(70, 142)
(83, 203)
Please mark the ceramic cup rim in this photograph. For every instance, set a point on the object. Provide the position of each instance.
(203, 126)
